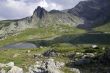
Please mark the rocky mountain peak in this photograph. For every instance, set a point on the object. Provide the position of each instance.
(40, 12)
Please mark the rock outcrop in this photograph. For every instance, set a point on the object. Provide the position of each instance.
(40, 12)
(12, 68)
(75, 70)
(15, 69)
(49, 66)
(51, 53)
(2, 71)
(46, 66)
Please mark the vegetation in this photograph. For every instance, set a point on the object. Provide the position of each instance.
(103, 28)
(21, 57)
(40, 33)
(64, 39)
(25, 57)
(64, 48)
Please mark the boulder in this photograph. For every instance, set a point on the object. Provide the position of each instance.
(52, 67)
(2, 65)
(15, 69)
(28, 51)
(16, 55)
(10, 64)
(82, 62)
(94, 46)
(88, 55)
(48, 66)
(75, 70)
(51, 53)
(2, 71)
(59, 64)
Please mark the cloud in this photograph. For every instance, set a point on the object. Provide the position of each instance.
(1, 18)
(15, 9)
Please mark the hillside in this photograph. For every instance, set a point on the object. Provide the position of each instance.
(40, 19)
(93, 12)
(42, 24)
(104, 28)
(40, 33)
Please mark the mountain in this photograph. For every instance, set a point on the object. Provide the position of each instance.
(41, 25)
(40, 18)
(87, 14)
(43, 18)
(93, 12)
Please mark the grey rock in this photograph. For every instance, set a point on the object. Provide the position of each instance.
(88, 55)
(40, 12)
(2, 71)
(16, 55)
(82, 62)
(51, 53)
(15, 69)
(75, 70)
(10, 64)
(49, 66)
(2, 65)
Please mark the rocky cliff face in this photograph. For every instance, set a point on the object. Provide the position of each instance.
(93, 12)
(43, 18)
(40, 12)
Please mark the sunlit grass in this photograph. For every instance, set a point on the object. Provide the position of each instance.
(40, 33)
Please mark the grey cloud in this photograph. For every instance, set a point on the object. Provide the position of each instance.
(65, 3)
(8, 12)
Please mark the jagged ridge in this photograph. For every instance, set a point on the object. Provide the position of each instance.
(93, 12)
(40, 18)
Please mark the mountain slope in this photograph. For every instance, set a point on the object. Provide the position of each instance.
(40, 19)
(43, 24)
(104, 28)
(87, 14)
(93, 12)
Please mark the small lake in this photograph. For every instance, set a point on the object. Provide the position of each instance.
(21, 45)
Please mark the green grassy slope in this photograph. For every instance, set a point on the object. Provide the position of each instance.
(103, 28)
(41, 33)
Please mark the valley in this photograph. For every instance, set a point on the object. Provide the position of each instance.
(75, 40)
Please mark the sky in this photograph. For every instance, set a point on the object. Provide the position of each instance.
(16, 9)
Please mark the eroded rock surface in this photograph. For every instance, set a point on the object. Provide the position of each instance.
(49, 66)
